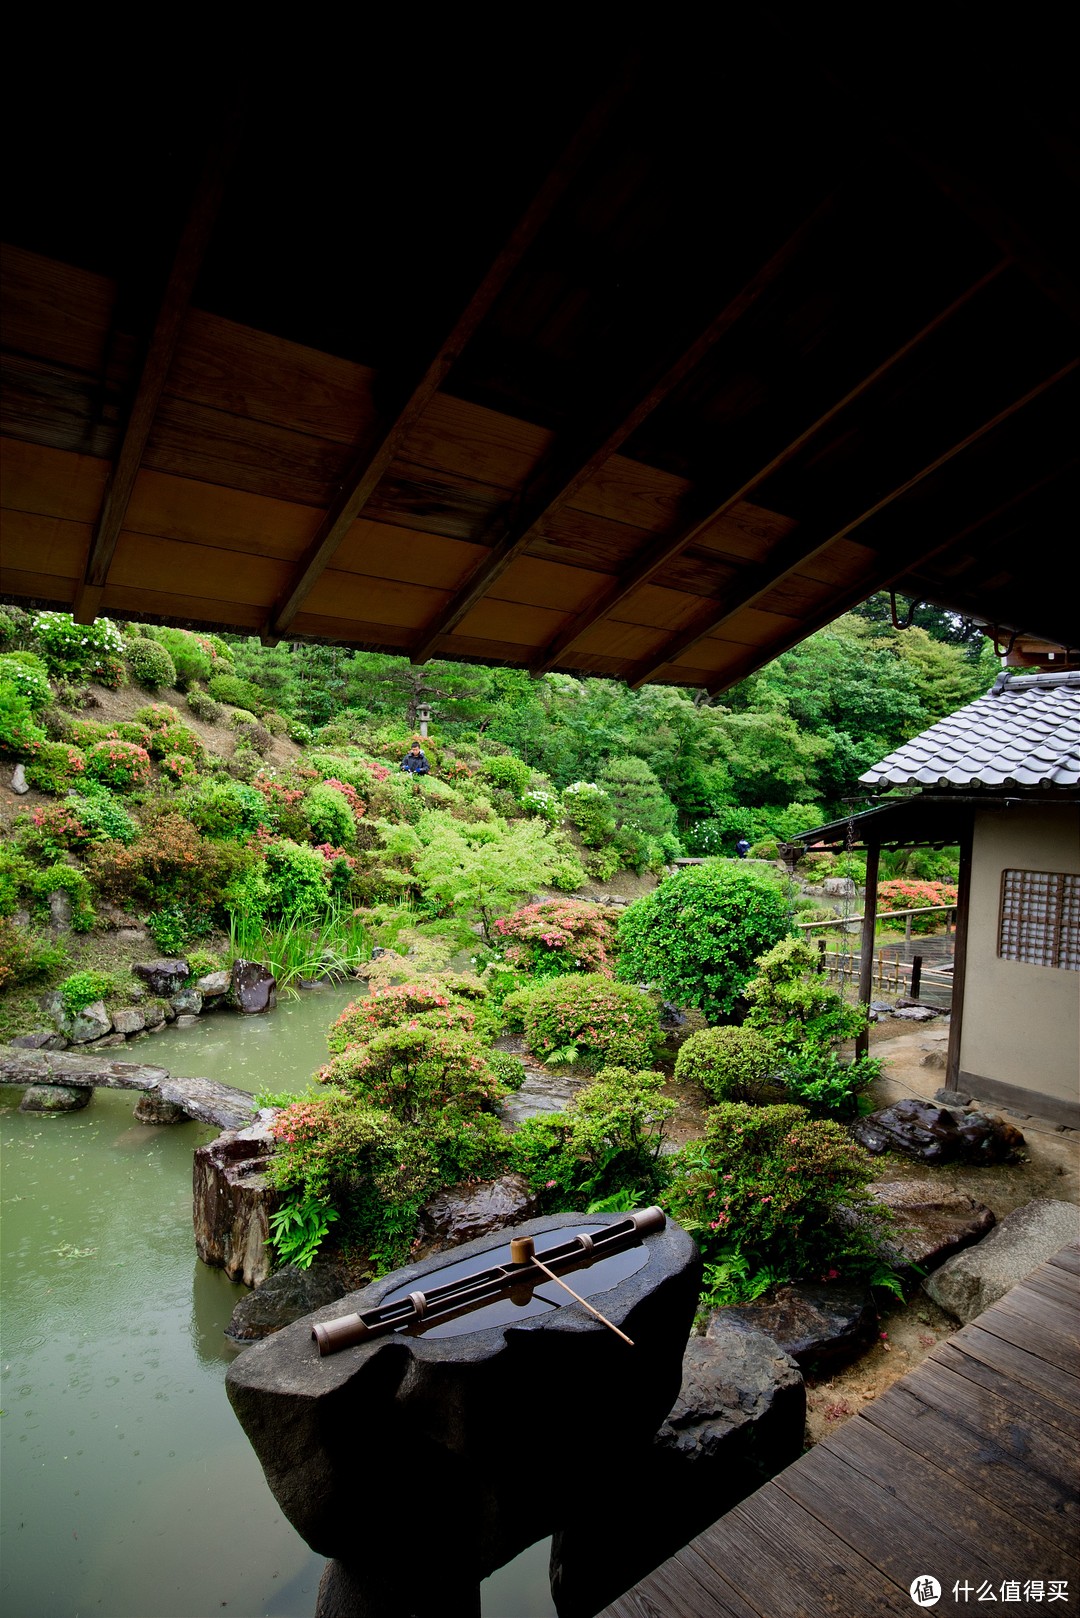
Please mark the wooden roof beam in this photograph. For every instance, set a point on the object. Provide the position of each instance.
(569, 469)
(656, 556)
(368, 466)
(884, 577)
(187, 262)
(789, 555)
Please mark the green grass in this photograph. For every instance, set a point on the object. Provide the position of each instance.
(301, 946)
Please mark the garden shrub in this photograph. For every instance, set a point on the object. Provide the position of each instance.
(85, 732)
(55, 767)
(591, 810)
(178, 767)
(80, 651)
(906, 893)
(81, 989)
(769, 1183)
(275, 723)
(791, 1001)
(201, 962)
(26, 959)
(123, 766)
(698, 935)
(174, 926)
(330, 815)
(162, 732)
(417, 1073)
(589, 1020)
(558, 935)
(168, 860)
(15, 627)
(189, 655)
(102, 815)
(16, 875)
(223, 808)
(827, 1087)
(229, 688)
(20, 733)
(508, 772)
(61, 878)
(428, 1003)
(28, 673)
(609, 1140)
(638, 797)
(54, 829)
(482, 867)
(150, 665)
(731, 1064)
(508, 1069)
(602, 863)
(298, 879)
(203, 706)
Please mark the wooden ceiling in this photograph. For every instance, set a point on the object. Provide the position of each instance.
(524, 351)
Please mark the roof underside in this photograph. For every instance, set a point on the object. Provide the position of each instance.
(644, 368)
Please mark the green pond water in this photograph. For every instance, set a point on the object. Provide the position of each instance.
(128, 1488)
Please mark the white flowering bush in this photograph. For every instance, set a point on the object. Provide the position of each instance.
(28, 674)
(79, 651)
(591, 810)
(544, 804)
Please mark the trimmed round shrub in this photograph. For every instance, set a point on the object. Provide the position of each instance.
(189, 654)
(237, 693)
(178, 767)
(508, 772)
(223, 808)
(55, 767)
(81, 989)
(203, 706)
(121, 765)
(150, 665)
(698, 935)
(589, 1020)
(731, 1064)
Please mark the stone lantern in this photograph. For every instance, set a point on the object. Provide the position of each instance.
(423, 714)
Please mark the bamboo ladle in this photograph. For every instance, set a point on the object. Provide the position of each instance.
(523, 1251)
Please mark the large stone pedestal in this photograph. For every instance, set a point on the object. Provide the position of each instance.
(433, 1460)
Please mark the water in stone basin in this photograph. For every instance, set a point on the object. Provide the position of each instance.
(129, 1489)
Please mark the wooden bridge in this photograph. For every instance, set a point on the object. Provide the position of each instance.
(964, 1472)
(203, 1099)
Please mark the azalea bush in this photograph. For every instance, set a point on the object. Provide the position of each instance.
(771, 1183)
(413, 1071)
(150, 664)
(698, 935)
(586, 1019)
(558, 935)
(81, 989)
(905, 893)
(608, 1141)
(429, 1003)
(30, 677)
(55, 767)
(123, 766)
(20, 732)
(54, 829)
(25, 959)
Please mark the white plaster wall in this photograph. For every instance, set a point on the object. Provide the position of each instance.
(1021, 1024)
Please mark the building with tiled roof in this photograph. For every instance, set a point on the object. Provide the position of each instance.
(1023, 733)
(1000, 778)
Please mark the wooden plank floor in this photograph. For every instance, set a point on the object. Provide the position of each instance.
(965, 1470)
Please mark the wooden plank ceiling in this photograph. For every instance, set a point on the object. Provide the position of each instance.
(643, 365)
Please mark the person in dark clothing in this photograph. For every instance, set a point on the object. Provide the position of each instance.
(742, 848)
(414, 762)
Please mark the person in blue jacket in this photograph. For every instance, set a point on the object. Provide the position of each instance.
(742, 848)
(414, 762)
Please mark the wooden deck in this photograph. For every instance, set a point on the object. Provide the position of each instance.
(965, 1470)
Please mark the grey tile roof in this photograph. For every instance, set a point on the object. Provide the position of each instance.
(1025, 732)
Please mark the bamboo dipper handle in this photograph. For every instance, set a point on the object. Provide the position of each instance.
(523, 1251)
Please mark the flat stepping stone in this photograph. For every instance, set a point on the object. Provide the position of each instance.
(973, 1280)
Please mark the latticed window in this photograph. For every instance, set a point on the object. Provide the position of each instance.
(1040, 918)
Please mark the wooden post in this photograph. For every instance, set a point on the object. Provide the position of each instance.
(907, 928)
(866, 963)
(963, 903)
(916, 976)
(821, 954)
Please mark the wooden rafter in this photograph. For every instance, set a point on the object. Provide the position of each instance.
(789, 555)
(664, 550)
(887, 576)
(570, 469)
(187, 262)
(369, 465)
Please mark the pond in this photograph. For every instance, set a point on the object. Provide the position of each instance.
(129, 1488)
